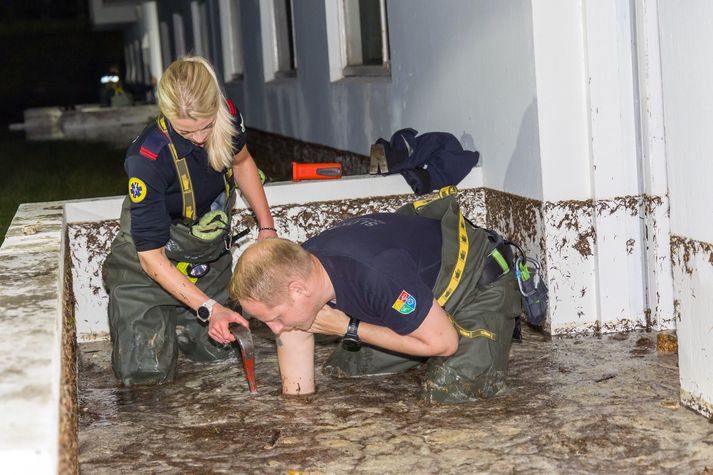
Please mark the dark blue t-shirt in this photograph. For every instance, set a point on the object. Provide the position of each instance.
(154, 188)
(383, 267)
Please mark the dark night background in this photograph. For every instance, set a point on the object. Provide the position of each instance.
(51, 56)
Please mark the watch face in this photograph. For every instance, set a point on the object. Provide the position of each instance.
(203, 313)
(350, 344)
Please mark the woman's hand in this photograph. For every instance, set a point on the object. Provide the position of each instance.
(330, 321)
(220, 321)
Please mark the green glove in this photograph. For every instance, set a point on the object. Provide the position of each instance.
(211, 225)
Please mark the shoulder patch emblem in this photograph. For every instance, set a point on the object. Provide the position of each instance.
(137, 190)
(405, 304)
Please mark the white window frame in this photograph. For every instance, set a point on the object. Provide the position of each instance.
(275, 42)
(344, 41)
(231, 40)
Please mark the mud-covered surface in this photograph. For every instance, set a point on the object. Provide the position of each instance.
(574, 405)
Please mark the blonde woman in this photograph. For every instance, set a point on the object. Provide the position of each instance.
(170, 263)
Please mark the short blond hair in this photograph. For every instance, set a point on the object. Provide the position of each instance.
(266, 268)
(189, 89)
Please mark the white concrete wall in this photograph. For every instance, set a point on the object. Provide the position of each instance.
(459, 66)
(686, 36)
(92, 225)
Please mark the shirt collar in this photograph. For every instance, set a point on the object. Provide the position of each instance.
(184, 147)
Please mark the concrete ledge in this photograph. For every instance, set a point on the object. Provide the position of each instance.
(30, 322)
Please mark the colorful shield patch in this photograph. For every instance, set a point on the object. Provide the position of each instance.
(137, 190)
(405, 304)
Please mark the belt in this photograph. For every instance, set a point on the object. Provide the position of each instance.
(497, 263)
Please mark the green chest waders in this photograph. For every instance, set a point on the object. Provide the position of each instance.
(483, 314)
(143, 317)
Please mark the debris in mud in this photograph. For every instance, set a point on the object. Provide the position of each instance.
(666, 342)
(605, 377)
(670, 404)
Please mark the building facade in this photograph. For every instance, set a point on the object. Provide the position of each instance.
(592, 120)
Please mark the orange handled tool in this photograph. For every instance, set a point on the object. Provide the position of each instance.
(316, 171)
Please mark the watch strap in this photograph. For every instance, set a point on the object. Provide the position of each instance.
(352, 329)
(207, 305)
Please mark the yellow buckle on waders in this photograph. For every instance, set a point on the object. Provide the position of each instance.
(471, 333)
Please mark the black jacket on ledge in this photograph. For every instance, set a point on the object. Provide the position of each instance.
(428, 162)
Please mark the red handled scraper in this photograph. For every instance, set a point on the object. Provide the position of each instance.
(244, 339)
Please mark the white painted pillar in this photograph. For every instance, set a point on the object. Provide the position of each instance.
(605, 261)
(558, 40)
(654, 180)
(617, 199)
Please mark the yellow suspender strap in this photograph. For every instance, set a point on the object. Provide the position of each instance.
(228, 180)
(460, 262)
(462, 245)
(184, 177)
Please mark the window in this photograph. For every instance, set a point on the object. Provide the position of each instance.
(366, 38)
(284, 37)
(165, 44)
(179, 36)
(199, 18)
(278, 40)
(130, 67)
(231, 39)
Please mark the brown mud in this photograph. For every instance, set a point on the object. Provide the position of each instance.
(573, 405)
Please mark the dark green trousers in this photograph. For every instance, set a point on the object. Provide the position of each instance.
(486, 313)
(148, 325)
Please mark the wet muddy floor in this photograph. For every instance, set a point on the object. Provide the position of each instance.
(573, 405)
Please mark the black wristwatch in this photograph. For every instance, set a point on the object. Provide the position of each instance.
(350, 340)
(206, 310)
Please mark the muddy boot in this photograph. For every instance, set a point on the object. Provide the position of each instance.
(144, 347)
(368, 361)
(479, 368)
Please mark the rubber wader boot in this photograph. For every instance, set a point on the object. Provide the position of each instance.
(143, 317)
(485, 318)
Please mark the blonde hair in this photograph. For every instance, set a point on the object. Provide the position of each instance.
(266, 268)
(189, 89)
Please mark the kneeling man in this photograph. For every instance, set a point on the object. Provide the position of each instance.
(419, 285)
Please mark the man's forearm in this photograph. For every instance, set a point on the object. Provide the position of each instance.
(390, 340)
(295, 356)
(434, 337)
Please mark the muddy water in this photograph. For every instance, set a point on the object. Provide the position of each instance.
(576, 405)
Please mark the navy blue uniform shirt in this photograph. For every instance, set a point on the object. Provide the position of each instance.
(383, 267)
(154, 189)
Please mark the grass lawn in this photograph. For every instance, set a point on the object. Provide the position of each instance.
(58, 170)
